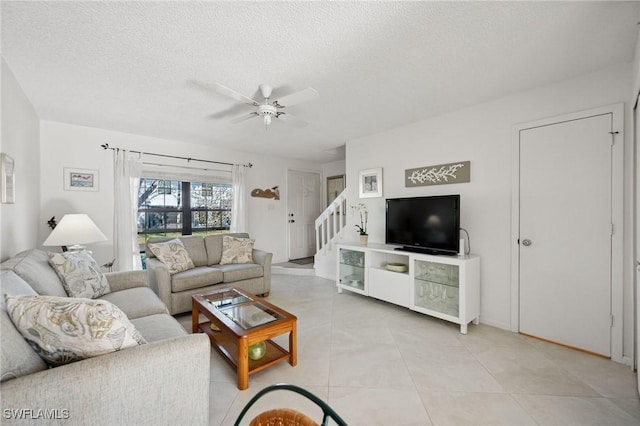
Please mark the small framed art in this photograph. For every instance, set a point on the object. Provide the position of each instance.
(335, 185)
(8, 190)
(370, 184)
(81, 179)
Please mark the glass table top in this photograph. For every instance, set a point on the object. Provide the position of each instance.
(236, 307)
(225, 299)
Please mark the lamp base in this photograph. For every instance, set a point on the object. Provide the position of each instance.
(76, 248)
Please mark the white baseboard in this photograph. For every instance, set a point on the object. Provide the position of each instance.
(292, 271)
(626, 360)
(496, 324)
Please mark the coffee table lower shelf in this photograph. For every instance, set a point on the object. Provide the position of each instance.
(227, 345)
(244, 320)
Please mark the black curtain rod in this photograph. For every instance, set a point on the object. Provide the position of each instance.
(189, 159)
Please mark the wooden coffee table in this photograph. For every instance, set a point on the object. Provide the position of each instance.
(238, 319)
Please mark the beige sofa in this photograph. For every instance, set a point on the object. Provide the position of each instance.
(205, 252)
(165, 381)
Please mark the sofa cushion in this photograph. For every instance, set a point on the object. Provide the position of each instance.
(194, 244)
(236, 250)
(33, 267)
(17, 357)
(159, 327)
(240, 271)
(80, 274)
(136, 302)
(67, 329)
(173, 254)
(213, 244)
(195, 278)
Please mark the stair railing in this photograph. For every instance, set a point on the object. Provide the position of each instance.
(331, 222)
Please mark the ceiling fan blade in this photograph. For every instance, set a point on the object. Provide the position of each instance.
(231, 112)
(194, 82)
(291, 120)
(225, 91)
(243, 117)
(305, 95)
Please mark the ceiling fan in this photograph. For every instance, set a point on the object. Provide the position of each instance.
(269, 109)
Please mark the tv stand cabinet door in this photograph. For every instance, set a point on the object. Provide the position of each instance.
(393, 287)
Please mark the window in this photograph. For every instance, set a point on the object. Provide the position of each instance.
(210, 206)
(165, 186)
(172, 208)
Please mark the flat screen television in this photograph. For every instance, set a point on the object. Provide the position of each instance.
(424, 224)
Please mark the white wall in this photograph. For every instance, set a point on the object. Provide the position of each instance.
(636, 191)
(20, 140)
(68, 145)
(482, 134)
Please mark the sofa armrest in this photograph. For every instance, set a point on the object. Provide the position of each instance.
(159, 280)
(165, 382)
(126, 279)
(264, 258)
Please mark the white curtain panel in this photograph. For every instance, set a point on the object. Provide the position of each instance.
(239, 207)
(127, 181)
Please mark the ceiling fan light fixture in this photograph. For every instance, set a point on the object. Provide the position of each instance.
(266, 90)
(267, 111)
(270, 109)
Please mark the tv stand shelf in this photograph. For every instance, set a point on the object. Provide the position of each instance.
(446, 287)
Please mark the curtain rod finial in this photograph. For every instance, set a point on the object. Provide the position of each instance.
(105, 145)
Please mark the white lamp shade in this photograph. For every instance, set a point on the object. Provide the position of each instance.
(74, 229)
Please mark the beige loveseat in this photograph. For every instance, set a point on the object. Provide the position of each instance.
(165, 381)
(205, 252)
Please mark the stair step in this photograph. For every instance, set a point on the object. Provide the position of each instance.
(283, 270)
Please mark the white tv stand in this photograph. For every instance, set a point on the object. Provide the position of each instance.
(446, 287)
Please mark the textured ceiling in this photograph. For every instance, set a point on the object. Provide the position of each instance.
(131, 66)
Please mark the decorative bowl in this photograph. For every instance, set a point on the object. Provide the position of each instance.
(257, 351)
(397, 267)
(353, 279)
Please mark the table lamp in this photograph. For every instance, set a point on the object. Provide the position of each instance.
(73, 231)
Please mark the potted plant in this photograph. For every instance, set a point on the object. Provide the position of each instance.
(361, 208)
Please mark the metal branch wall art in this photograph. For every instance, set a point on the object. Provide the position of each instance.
(440, 174)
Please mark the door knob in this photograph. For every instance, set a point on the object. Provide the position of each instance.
(526, 243)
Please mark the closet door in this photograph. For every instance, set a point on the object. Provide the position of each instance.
(565, 233)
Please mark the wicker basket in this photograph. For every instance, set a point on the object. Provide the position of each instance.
(286, 416)
(282, 417)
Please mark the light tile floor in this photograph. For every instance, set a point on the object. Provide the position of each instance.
(379, 364)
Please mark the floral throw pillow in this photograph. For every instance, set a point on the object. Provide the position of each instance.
(80, 274)
(173, 254)
(66, 329)
(236, 250)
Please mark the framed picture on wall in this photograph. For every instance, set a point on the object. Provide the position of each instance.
(8, 190)
(370, 184)
(335, 185)
(81, 179)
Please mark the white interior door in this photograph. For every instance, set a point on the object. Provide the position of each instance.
(636, 164)
(565, 233)
(303, 203)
